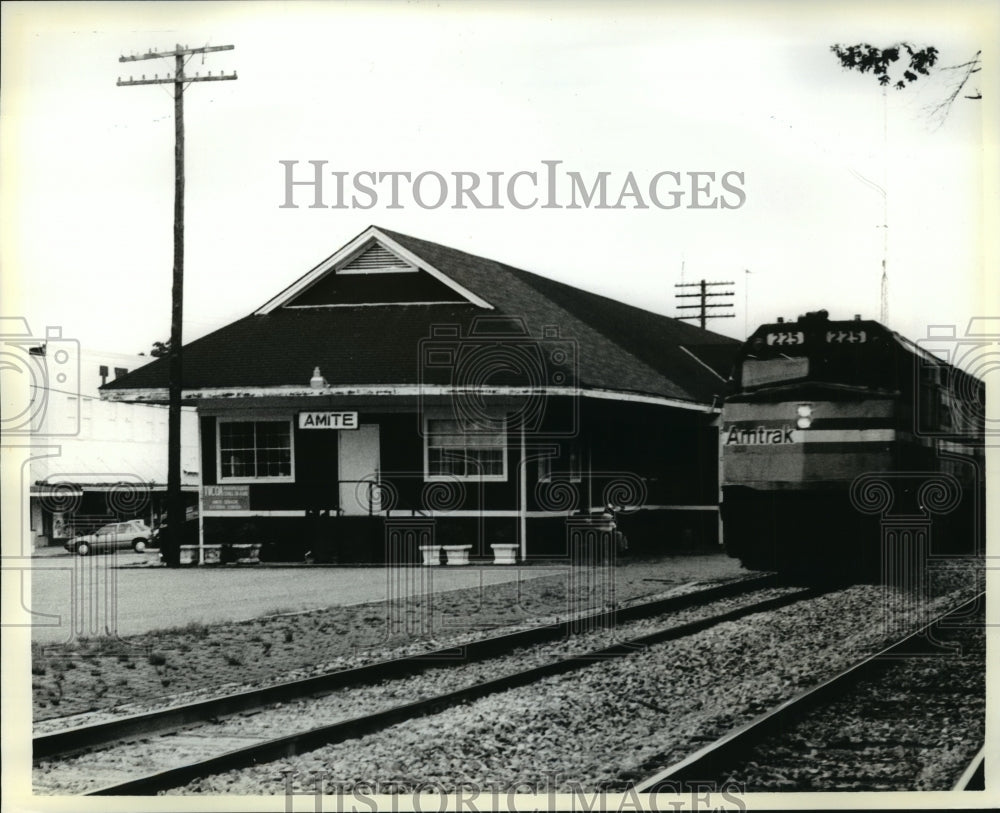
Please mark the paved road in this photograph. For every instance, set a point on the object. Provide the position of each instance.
(87, 596)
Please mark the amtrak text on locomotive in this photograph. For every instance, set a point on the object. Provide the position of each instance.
(758, 436)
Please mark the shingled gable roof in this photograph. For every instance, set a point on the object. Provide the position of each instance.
(619, 348)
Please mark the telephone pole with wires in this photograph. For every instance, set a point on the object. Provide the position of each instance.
(175, 500)
(703, 304)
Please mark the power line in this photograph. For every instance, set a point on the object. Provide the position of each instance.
(175, 498)
(704, 305)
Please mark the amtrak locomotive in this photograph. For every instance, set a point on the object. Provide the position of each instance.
(844, 445)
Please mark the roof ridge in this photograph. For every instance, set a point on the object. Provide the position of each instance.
(519, 274)
(621, 347)
(550, 280)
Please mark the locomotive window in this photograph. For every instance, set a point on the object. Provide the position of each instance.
(767, 371)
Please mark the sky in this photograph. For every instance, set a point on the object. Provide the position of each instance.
(641, 88)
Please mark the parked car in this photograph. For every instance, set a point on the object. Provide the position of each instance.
(133, 534)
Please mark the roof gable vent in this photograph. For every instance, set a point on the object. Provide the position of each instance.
(375, 269)
(375, 258)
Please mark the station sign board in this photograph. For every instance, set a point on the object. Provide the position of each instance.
(225, 498)
(328, 420)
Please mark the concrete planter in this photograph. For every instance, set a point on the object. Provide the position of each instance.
(189, 554)
(246, 554)
(457, 554)
(213, 555)
(504, 554)
(432, 554)
(153, 556)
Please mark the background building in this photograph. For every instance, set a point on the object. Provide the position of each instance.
(97, 461)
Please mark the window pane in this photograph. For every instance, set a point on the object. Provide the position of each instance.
(451, 451)
(454, 462)
(272, 434)
(446, 461)
(274, 462)
(434, 461)
(236, 435)
(484, 439)
(485, 461)
(238, 463)
(767, 371)
(261, 449)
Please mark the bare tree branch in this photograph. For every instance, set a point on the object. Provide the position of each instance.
(939, 112)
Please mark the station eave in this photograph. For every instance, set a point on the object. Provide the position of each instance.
(193, 397)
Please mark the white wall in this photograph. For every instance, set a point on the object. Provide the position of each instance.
(90, 441)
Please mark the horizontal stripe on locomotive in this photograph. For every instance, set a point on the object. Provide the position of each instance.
(753, 492)
(788, 435)
(810, 449)
(849, 448)
(752, 422)
(817, 410)
(810, 391)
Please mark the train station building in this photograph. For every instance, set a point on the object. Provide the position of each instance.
(404, 394)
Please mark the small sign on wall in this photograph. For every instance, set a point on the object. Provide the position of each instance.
(328, 420)
(225, 498)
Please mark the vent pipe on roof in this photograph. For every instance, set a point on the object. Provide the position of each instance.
(317, 382)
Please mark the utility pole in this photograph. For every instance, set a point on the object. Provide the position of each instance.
(175, 499)
(703, 304)
(884, 288)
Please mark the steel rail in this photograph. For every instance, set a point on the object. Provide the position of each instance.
(974, 776)
(68, 741)
(299, 742)
(708, 762)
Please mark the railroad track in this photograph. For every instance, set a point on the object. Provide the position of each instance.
(67, 741)
(208, 752)
(722, 761)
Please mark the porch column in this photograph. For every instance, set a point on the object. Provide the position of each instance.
(522, 509)
(201, 508)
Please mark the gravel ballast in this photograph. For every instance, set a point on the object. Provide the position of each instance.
(106, 766)
(914, 726)
(605, 725)
(85, 681)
